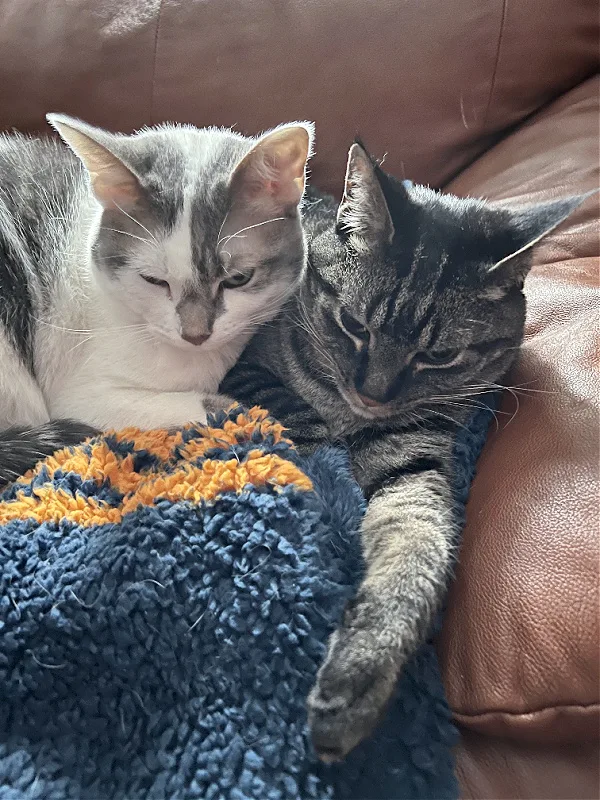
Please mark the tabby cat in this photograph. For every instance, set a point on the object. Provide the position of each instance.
(411, 308)
(133, 270)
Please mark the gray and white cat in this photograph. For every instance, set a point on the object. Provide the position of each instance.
(410, 310)
(133, 270)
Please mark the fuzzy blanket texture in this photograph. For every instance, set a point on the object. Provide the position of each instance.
(165, 600)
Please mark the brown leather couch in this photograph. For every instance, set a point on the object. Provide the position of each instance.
(486, 97)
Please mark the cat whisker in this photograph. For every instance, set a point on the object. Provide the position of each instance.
(235, 235)
(86, 331)
(137, 222)
(140, 337)
(264, 317)
(468, 400)
(306, 325)
(514, 394)
(225, 218)
(132, 236)
(79, 344)
(143, 338)
(471, 405)
(524, 387)
(496, 387)
(445, 416)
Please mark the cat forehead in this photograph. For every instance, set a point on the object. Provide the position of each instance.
(392, 291)
(185, 154)
(436, 228)
(182, 165)
(187, 171)
(191, 245)
(448, 246)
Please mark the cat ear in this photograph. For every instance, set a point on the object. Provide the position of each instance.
(363, 210)
(113, 183)
(271, 178)
(529, 227)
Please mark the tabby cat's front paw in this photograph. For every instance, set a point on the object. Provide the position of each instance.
(351, 693)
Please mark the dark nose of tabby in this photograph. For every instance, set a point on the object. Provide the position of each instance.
(368, 401)
(195, 339)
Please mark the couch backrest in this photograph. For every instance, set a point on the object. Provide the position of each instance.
(429, 82)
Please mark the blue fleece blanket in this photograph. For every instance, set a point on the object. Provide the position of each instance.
(164, 606)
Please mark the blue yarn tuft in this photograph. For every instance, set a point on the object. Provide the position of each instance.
(170, 655)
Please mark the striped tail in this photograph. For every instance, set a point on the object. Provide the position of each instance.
(22, 448)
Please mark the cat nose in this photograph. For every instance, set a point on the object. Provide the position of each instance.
(196, 317)
(368, 401)
(196, 339)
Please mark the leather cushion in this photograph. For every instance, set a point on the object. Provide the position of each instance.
(498, 769)
(520, 645)
(430, 83)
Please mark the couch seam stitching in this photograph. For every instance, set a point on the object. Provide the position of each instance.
(496, 64)
(154, 61)
(554, 707)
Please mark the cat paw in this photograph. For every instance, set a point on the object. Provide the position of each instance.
(214, 403)
(351, 693)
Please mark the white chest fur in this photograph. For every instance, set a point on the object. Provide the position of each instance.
(110, 375)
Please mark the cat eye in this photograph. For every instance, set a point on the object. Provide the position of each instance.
(353, 326)
(237, 279)
(156, 281)
(440, 358)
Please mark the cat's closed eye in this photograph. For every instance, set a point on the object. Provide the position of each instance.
(237, 279)
(440, 358)
(352, 326)
(156, 282)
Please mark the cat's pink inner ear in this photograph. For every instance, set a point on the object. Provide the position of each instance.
(273, 173)
(113, 183)
(115, 186)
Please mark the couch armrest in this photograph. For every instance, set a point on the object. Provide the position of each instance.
(520, 645)
(492, 768)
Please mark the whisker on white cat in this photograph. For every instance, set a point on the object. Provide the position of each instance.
(92, 331)
(131, 235)
(320, 349)
(236, 235)
(80, 343)
(137, 222)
